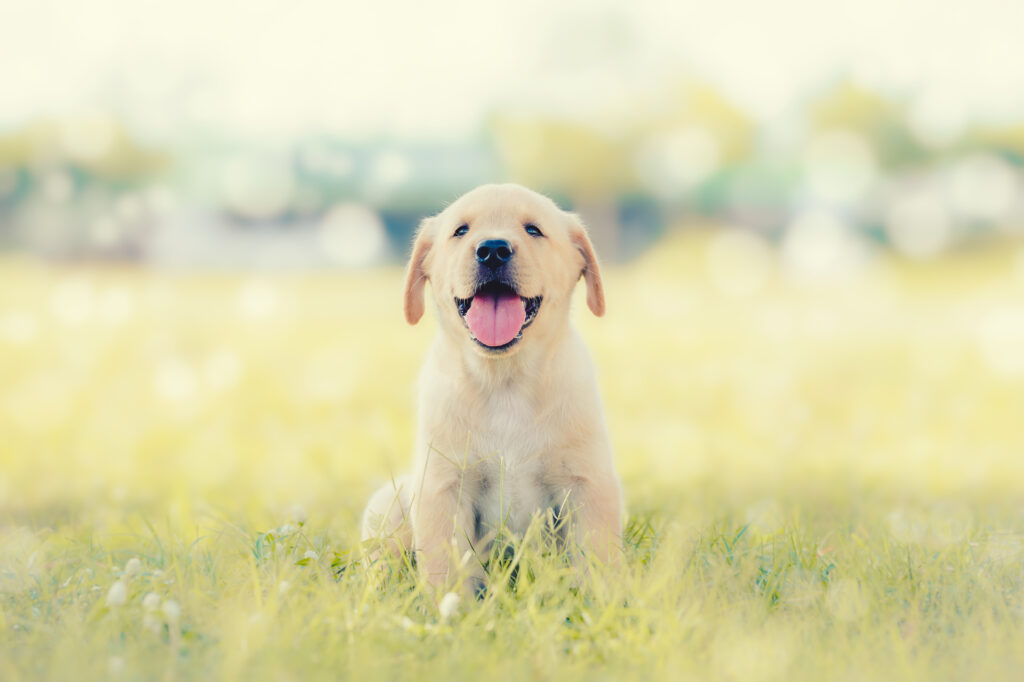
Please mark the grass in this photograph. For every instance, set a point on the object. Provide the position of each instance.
(824, 481)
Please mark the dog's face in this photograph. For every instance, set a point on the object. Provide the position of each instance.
(502, 262)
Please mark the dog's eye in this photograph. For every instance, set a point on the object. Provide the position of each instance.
(461, 230)
(533, 230)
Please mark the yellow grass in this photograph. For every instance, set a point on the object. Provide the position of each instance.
(825, 481)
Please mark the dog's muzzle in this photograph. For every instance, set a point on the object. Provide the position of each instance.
(496, 314)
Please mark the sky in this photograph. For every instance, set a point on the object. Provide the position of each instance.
(407, 69)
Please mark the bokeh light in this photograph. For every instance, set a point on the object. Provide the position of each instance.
(258, 300)
(175, 380)
(672, 164)
(257, 187)
(71, 302)
(984, 188)
(821, 246)
(840, 167)
(919, 223)
(353, 235)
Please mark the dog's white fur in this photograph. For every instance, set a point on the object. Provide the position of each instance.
(506, 435)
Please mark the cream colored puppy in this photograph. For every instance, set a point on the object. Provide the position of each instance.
(510, 420)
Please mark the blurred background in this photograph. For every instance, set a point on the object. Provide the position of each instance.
(317, 134)
(811, 220)
(811, 214)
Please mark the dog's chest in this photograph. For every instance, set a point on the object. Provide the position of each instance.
(510, 451)
(508, 491)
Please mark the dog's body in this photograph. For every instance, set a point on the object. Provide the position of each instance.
(510, 420)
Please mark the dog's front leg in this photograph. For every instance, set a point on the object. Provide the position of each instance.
(595, 506)
(443, 529)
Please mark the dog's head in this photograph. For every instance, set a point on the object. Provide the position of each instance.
(502, 262)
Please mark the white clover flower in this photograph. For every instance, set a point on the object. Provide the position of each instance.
(132, 567)
(118, 594)
(297, 513)
(283, 586)
(151, 602)
(449, 605)
(172, 611)
(311, 555)
(285, 530)
(152, 623)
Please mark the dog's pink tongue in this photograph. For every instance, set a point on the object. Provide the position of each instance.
(495, 320)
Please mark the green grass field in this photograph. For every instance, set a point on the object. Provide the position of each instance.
(823, 481)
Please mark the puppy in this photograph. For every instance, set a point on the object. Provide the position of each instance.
(510, 420)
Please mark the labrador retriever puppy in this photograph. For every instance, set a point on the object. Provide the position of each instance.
(510, 420)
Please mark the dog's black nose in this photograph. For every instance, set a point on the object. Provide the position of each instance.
(493, 253)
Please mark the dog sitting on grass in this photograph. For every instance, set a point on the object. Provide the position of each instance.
(510, 419)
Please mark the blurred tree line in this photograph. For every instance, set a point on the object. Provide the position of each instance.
(88, 187)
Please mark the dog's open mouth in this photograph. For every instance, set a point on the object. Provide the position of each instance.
(496, 315)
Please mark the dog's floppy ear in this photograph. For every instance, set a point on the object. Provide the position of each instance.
(416, 273)
(591, 270)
